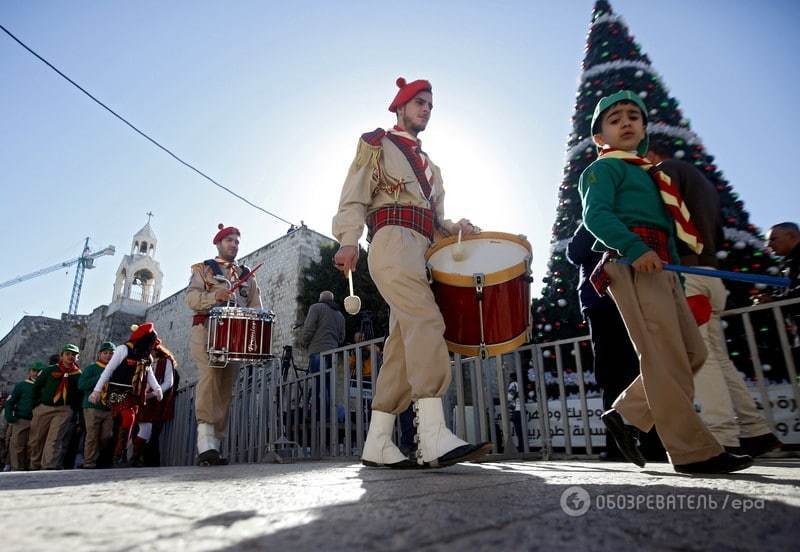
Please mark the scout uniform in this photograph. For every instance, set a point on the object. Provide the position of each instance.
(125, 381)
(631, 216)
(395, 188)
(56, 398)
(214, 389)
(18, 413)
(97, 417)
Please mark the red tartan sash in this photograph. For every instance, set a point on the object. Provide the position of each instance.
(418, 219)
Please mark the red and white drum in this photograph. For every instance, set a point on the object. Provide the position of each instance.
(237, 334)
(482, 287)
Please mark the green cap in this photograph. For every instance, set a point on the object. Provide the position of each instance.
(71, 347)
(37, 366)
(609, 101)
(106, 346)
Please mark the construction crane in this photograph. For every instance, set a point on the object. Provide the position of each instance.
(85, 261)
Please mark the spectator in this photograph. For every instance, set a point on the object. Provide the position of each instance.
(323, 329)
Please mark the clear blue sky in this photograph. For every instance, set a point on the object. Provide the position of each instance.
(270, 97)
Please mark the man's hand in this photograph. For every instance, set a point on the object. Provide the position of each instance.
(222, 295)
(346, 258)
(649, 262)
(94, 397)
(466, 227)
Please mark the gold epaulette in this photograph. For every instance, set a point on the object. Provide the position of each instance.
(369, 151)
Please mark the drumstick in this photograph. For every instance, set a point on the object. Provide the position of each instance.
(724, 274)
(244, 279)
(458, 250)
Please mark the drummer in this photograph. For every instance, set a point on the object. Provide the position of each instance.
(395, 189)
(209, 287)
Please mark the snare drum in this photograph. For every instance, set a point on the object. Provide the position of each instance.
(237, 334)
(484, 296)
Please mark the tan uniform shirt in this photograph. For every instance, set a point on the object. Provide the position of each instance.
(203, 286)
(381, 176)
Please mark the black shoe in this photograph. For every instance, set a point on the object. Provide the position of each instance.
(760, 444)
(734, 450)
(401, 465)
(464, 453)
(615, 456)
(211, 457)
(722, 463)
(625, 436)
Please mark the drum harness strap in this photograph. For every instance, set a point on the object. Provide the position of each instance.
(201, 318)
(478, 279)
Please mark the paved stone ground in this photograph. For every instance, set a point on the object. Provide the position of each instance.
(510, 505)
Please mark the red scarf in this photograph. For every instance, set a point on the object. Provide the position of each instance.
(670, 195)
(63, 373)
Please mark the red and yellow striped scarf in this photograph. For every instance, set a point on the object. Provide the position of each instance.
(670, 195)
(63, 386)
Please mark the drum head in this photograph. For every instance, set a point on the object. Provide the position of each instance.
(485, 253)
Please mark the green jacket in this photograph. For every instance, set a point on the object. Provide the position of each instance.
(46, 385)
(20, 404)
(616, 196)
(86, 383)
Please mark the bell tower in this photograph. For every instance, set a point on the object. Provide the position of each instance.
(139, 276)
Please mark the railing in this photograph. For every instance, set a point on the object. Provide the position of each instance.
(281, 416)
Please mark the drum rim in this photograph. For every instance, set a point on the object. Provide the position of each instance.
(495, 349)
(482, 235)
(491, 279)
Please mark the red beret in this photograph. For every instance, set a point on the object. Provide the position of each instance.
(700, 307)
(138, 332)
(225, 231)
(407, 92)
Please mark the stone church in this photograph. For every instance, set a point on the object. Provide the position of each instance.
(137, 298)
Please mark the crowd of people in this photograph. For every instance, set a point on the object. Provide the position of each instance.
(107, 414)
(656, 351)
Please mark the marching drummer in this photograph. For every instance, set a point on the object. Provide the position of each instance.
(395, 189)
(209, 287)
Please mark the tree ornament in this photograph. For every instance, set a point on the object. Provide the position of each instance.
(722, 255)
(562, 302)
(739, 245)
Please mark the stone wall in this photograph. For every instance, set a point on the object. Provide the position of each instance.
(34, 338)
(279, 280)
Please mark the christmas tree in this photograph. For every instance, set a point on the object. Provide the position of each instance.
(613, 62)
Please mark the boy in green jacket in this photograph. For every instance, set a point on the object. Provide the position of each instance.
(56, 398)
(99, 426)
(637, 214)
(18, 412)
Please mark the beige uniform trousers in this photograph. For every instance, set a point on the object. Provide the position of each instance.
(726, 406)
(670, 350)
(214, 390)
(18, 445)
(415, 359)
(99, 427)
(48, 428)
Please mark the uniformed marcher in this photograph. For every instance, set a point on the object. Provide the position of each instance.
(208, 287)
(56, 398)
(126, 383)
(395, 189)
(18, 413)
(97, 416)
